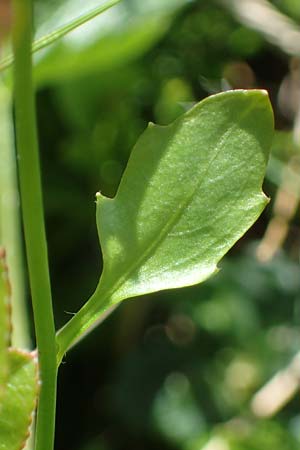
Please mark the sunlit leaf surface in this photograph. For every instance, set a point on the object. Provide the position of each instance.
(189, 192)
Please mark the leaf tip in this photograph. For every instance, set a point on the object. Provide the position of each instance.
(264, 92)
(260, 95)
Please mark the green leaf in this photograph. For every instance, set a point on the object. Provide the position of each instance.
(189, 192)
(19, 401)
(58, 33)
(5, 326)
(110, 41)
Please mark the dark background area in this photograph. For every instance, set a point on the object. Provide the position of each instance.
(177, 369)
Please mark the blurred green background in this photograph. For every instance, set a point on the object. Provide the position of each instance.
(215, 366)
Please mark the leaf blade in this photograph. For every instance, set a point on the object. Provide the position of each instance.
(150, 209)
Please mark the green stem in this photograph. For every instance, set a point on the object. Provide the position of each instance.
(33, 221)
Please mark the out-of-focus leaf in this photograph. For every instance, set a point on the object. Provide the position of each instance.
(267, 435)
(58, 33)
(189, 192)
(176, 412)
(10, 226)
(265, 18)
(290, 7)
(19, 400)
(5, 326)
(121, 34)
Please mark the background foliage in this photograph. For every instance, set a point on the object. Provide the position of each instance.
(178, 369)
